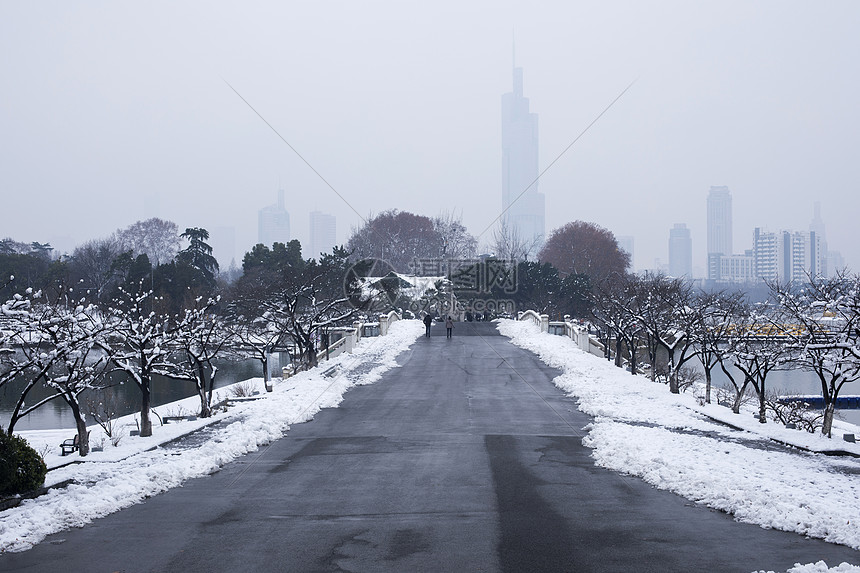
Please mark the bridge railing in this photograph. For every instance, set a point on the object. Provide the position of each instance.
(539, 320)
(577, 332)
(350, 335)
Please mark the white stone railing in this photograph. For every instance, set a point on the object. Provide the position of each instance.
(539, 320)
(385, 321)
(578, 333)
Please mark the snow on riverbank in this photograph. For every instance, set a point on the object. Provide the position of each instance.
(119, 477)
(641, 429)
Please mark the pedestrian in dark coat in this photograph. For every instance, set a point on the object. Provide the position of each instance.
(449, 326)
(428, 321)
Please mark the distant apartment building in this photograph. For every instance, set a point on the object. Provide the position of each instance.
(787, 256)
(732, 268)
(680, 251)
(719, 239)
(323, 234)
(274, 223)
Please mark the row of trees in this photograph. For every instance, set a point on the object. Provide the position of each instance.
(170, 319)
(814, 326)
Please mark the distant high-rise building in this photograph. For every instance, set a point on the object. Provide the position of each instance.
(223, 242)
(835, 262)
(274, 223)
(817, 227)
(524, 206)
(719, 227)
(626, 242)
(787, 256)
(323, 234)
(680, 251)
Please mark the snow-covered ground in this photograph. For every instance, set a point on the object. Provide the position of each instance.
(639, 428)
(675, 444)
(132, 471)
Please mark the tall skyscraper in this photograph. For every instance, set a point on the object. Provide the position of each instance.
(524, 215)
(274, 223)
(323, 234)
(680, 251)
(719, 227)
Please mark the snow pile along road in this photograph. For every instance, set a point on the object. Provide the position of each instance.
(641, 429)
(108, 486)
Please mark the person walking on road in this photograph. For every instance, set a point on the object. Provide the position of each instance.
(428, 321)
(449, 326)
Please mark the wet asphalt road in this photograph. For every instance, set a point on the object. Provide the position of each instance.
(466, 458)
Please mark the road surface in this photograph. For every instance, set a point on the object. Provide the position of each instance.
(464, 459)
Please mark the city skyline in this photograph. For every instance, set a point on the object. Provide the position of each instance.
(785, 254)
(125, 114)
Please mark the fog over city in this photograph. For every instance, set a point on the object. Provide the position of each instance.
(116, 112)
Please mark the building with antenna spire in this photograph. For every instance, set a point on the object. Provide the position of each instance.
(274, 223)
(524, 206)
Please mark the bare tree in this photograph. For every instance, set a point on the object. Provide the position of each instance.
(73, 333)
(758, 347)
(138, 343)
(202, 336)
(711, 331)
(825, 337)
(667, 310)
(509, 244)
(92, 263)
(398, 237)
(652, 307)
(157, 238)
(257, 337)
(615, 301)
(457, 242)
(306, 305)
(20, 353)
(735, 343)
(56, 344)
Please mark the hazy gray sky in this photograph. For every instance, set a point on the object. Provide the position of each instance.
(112, 112)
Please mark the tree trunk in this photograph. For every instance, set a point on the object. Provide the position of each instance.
(213, 370)
(762, 411)
(81, 425)
(736, 405)
(145, 405)
(618, 357)
(205, 410)
(827, 425)
(673, 374)
(707, 385)
(632, 349)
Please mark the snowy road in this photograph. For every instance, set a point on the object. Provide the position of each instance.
(467, 458)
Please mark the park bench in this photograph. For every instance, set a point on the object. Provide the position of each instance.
(71, 445)
(168, 419)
